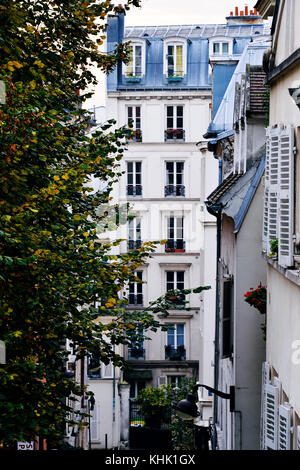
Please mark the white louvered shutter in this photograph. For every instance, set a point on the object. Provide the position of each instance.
(265, 235)
(271, 416)
(274, 142)
(284, 427)
(95, 422)
(298, 437)
(162, 380)
(264, 381)
(286, 197)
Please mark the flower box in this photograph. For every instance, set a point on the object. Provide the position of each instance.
(174, 79)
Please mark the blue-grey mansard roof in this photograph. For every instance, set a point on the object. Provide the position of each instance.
(197, 76)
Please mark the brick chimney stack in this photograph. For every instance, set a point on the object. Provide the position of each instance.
(244, 17)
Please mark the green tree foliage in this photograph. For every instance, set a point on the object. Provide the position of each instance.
(52, 267)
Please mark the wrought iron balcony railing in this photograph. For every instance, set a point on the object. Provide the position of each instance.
(175, 246)
(175, 354)
(134, 244)
(172, 190)
(136, 354)
(134, 190)
(135, 299)
(174, 135)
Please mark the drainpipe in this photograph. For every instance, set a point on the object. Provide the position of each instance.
(216, 211)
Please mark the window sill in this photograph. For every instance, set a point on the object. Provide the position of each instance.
(291, 274)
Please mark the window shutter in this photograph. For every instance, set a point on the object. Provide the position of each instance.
(265, 236)
(271, 416)
(284, 427)
(298, 437)
(95, 422)
(162, 380)
(273, 168)
(265, 380)
(286, 197)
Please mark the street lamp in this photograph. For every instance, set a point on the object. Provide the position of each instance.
(187, 408)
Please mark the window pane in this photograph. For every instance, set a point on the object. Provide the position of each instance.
(225, 48)
(216, 47)
(179, 110)
(130, 167)
(170, 234)
(170, 123)
(179, 230)
(170, 60)
(179, 175)
(130, 112)
(171, 336)
(138, 111)
(139, 287)
(170, 111)
(179, 68)
(129, 69)
(170, 173)
(179, 123)
(180, 335)
(138, 228)
(138, 167)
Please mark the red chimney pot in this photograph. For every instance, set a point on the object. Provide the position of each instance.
(246, 10)
(255, 11)
(251, 12)
(236, 11)
(241, 13)
(231, 13)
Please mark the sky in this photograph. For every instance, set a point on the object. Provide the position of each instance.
(161, 12)
(167, 12)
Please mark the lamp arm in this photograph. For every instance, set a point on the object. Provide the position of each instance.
(213, 390)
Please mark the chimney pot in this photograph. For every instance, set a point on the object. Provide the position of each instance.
(241, 13)
(251, 12)
(255, 11)
(236, 11)
(231, 13)
(246, 10)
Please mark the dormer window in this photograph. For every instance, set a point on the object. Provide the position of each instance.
(175, 59)
(135, 69)
(220, 47)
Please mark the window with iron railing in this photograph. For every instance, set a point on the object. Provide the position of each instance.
(175, 281)
(134, 179)
(134, 123)
(175, 348)
(135, 296)
(175, 242)
(174, 179)
(174, 120)
(134, 234)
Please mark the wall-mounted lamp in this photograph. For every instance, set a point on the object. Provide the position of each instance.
(187, 408)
